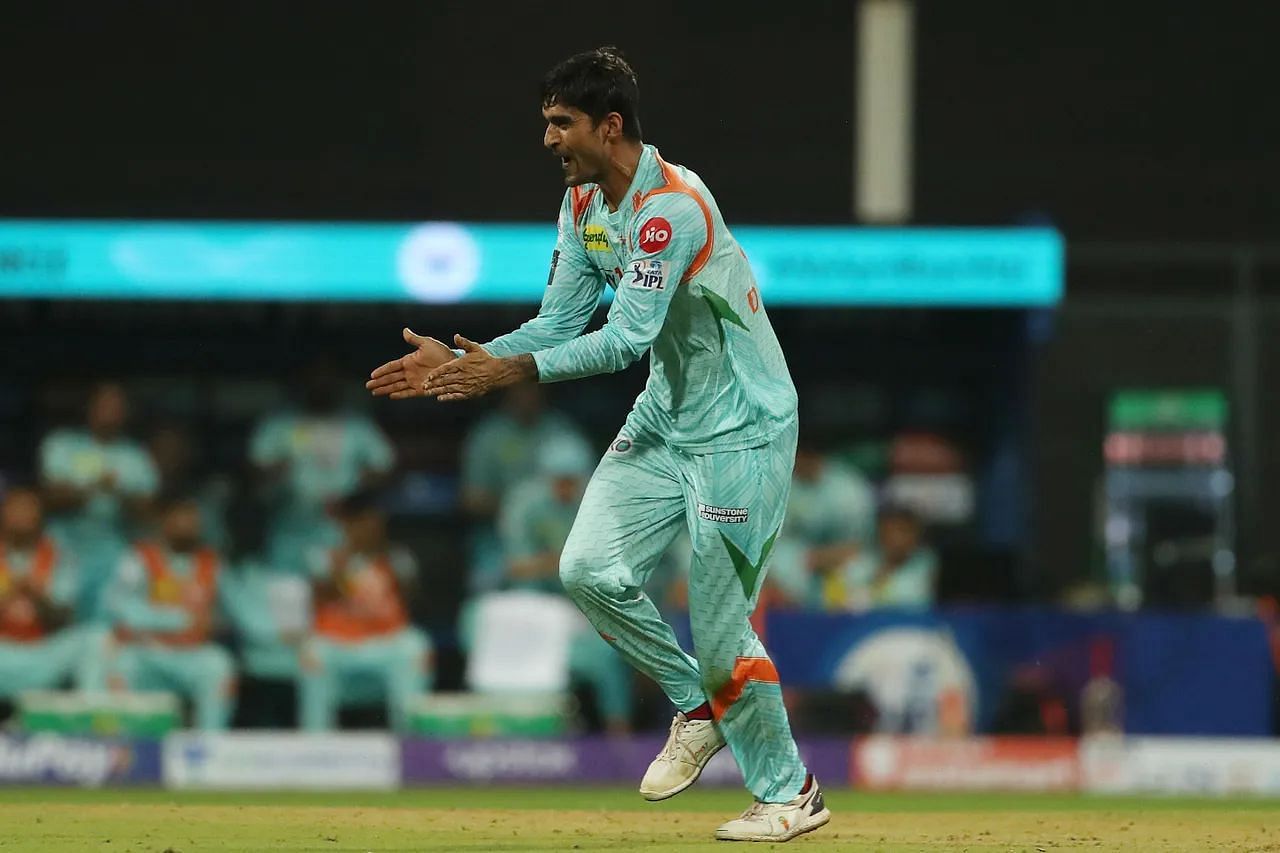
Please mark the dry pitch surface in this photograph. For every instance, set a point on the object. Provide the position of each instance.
(501, 819)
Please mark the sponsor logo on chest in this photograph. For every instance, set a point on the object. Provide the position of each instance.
(595, 239)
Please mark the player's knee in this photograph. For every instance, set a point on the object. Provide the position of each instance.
(575, 572)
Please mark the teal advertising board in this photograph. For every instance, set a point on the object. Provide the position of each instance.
(446, 262)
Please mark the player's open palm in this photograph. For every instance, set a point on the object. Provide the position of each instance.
(403, 377)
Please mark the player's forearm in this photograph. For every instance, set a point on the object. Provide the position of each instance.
(141, 616)
(542, 332)
(824, 558)
(520, 368)
(605, 350)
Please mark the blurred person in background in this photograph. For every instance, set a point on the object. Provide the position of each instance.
(534, 522)
(361, 630)
(900, 571)
(163, 602)
(312, 458)
(501, 451)
(97, 487)
(831, 519)
(178, 464)
(39, 646)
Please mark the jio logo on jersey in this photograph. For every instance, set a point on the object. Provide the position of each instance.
(648, 274)
(655, 234)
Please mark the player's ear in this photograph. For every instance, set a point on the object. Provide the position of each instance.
(613, 127)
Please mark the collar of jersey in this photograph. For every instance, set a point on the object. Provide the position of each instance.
(641, 182)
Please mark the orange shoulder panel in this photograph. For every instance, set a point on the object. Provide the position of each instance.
(581, 201)
(674, 184)
(207, 568)
(152, 560)
(46, 557)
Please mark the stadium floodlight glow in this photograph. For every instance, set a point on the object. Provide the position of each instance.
(447, 262)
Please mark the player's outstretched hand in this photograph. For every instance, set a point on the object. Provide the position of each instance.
(475, 374)
(403, 377)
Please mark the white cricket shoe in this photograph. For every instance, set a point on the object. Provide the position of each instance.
(688, 749)
(779, 821)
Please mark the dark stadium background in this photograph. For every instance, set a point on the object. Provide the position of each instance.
(1140, 133)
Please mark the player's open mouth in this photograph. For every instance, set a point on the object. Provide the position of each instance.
(564, 162)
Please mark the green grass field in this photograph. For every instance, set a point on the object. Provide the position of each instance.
(501, 819)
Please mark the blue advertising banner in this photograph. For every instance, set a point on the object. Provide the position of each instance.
(1179, 674)
(51, 759)
(448, 262)
(585, 760)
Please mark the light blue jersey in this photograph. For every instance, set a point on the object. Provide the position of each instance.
(534, 522)
(76, 458)
(684, 292)
(910, 585)
(502, 452)
(325, 458)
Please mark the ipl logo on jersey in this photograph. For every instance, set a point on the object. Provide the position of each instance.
(648, 274)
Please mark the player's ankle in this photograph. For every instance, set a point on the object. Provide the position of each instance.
(702, 712)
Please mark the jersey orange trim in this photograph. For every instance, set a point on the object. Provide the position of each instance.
(42, 565)
(159, 578)
(744, 670)
(675, 184)
(46, 556)
(337, 621)
(580, 201)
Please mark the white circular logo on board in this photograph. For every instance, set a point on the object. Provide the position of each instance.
(438, 262)
(907, 673)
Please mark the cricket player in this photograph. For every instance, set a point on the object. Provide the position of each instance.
(535, 520)
(39, 647)
(315, 456)
(163, 600)
(361, 625)
(830, 521)
(97, 487)
(709, 443)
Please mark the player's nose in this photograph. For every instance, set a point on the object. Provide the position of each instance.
(550, 137)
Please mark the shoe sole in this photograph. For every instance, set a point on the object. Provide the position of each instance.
(666, 795)
(816, 821)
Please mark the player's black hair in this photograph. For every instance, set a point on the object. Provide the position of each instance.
(598, 82)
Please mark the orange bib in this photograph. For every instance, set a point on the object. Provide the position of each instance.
(26, 630)
(166, 588)
(370, 606)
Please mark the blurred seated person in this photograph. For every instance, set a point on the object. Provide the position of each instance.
(499, 452)
(39, 647)
(361, 591)
(830, 521)
(270, 614)
(97, 487)
(535, 520)
(163, 602)
(178, 465)
(311, 458)
(900, 571)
